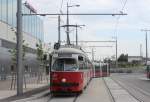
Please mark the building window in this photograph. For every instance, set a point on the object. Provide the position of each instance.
(32, 24)
(4, 10)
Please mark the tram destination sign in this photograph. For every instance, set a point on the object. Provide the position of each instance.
(65, 55)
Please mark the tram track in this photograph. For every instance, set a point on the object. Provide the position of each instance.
(110, 94)
(129, 90)
(50, 98)
(76, 97)
(63, 99)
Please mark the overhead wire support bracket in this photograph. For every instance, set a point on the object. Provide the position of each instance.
(88, 14)
(107, 41)
(97, 46)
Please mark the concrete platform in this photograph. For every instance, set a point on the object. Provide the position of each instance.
(95, 92)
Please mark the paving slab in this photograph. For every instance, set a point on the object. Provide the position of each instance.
(95, 92)
(7, 93)
(119, 93)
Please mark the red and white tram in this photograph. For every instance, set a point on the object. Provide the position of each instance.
(101, 69)
(71, 70)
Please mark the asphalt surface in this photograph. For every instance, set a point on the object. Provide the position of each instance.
(136, 84)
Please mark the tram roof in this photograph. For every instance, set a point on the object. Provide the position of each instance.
(69, 51)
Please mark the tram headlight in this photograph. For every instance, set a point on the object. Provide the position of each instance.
(63, 80)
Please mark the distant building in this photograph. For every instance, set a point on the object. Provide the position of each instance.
(32, 33)
(138, 59)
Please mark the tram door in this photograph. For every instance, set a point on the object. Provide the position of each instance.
(97, 70)
(101, 69)
(104, 70)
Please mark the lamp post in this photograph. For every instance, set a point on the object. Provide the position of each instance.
(19, 49)
(116, 53)
(59, 36)
(146, 30)
(68, 39)
(116, 41)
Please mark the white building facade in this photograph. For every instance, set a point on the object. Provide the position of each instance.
(32, 34)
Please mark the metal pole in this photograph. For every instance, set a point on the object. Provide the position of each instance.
(68, 39)
(141, 50)
(19, 49)
(146, 46)
(107, 69)
(92, 54)
(100, 65)
(116, 53)
(50, 69)
(146, 30)
(59, 39)
(76, 35)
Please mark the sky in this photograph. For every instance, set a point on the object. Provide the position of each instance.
(126, 28)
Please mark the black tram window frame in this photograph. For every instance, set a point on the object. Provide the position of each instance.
(80, 58)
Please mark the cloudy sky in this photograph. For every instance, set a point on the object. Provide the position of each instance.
(126, 28)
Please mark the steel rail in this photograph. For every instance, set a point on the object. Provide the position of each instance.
(137, 98)
(110, 94)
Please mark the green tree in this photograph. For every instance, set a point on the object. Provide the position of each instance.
(123, 58)
(13, 53)
(40, 52)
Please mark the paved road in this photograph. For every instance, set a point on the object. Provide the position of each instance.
(136, 84)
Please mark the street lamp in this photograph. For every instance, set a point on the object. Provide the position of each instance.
(77, 33)
(68, 39)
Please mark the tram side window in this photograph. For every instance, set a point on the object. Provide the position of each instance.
(81, 65)
(148, 68)
(104, 68)
(86, 64)
(80, 58)
(89, 65)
